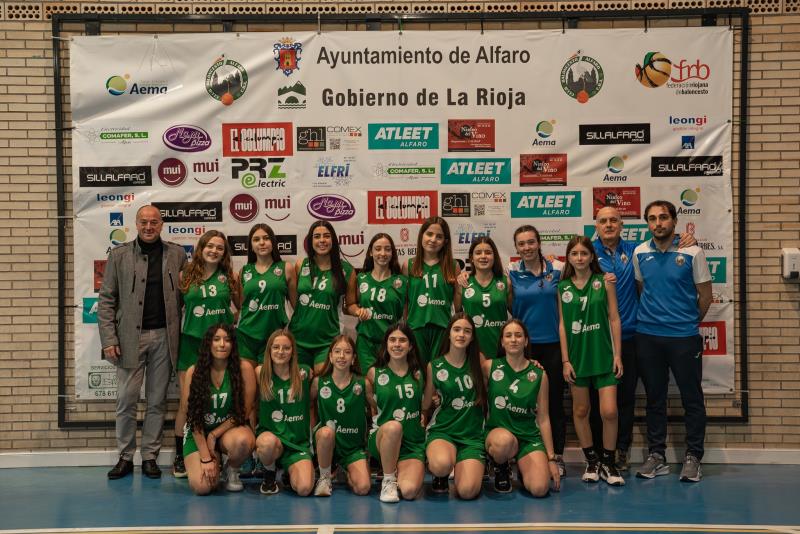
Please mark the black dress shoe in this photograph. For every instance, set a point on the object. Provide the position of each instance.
(150, 469)
(122, 469)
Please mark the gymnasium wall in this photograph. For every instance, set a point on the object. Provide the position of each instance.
(28, 209)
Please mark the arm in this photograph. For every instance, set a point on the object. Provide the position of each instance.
(297, 267)
(703, 298)
(291, 283)
(249, 383)
(240, 292)
(208, 464)
(371, 401)
(543, 420)
(567, 370)
(616, 326)
(427, 396)
(108, 301)
(486, 367)
(510, 297)
(313, 391)
(456, 297)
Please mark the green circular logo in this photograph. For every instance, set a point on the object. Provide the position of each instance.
(544, 129)
(249, 180)
(616, 164)
(117, 236)
(116, 85)
(689, 197)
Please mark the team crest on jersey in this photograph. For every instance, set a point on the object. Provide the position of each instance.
(278, 271)
(399, 414)
(210, 419)
(277, 416)
(680, 260)
(596, 285)
(325, 392)
(363, 287)
(442, 374)
(383, 379)
(532, 376)
(305, 271)
(222, 278)
(566, 297)
(501, 286)
(457, 403)
(469, 293)
(549, 277)
(247, 276)
(497, 375)
(304, 299)
(623, 257)
(397, 283)
(357, 389)
(500, 403)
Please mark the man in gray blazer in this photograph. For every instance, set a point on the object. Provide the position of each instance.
(139, 318)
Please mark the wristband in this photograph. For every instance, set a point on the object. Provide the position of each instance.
(206, 461)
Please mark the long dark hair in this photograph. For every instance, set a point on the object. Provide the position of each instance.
(355, 367)
(200, 389)
(594, 265)
(497, 268)
(339, 283)
(369, 261)
(414, 363)
(251, 255)
(473, 357)
(527, 352)
(445, 254)
(529, 228)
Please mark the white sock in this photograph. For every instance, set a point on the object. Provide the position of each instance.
(325, 472)
(391, 477)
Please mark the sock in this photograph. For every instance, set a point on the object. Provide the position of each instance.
(178, 445)
(590, 454)
(390, 476)
(325, 472)
(608, 457)
(270, 467)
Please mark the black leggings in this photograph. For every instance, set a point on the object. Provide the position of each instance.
(549, 356)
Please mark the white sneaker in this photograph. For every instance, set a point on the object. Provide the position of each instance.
(323, 487)
(232, 482)
(389, 491)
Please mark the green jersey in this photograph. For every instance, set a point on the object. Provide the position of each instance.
(585, 315)
(458, 416)
(316, 318)
(512, 399)
(345, 412)
(207, 304)
(399, 398)
(430, 298)
(287, 417)
(263, 300)
(488, 307)
(219, 404)
(385, 300)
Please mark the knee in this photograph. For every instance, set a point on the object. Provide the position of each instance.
(360, 487)
(200, 488)
(392, 430)
(325, 434)
(303, 486)
(439, 465)
(608, 413)
(580, 410)
(409, 490)
(538, 489)
(468, 491)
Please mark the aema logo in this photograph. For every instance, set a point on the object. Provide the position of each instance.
(718, 266)
(118, 85)
(635, 233)
(90, 310)
(403, 136)
(543, 205)
(616, 164)
(544, 133)
(689, 199)
(476, 171)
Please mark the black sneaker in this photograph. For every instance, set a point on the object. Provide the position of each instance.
(440, 485)
(502, 478)
(609, 473)
(269, 486)
(592, 472)
(122, 469)
(285, 480)
(178, 467)
(562, 467)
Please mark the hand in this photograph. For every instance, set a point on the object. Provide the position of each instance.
(111, 353)
(687, 240)
(554, 475)
(610, 278)
(363, 314)
(537, 364)
(463, 279)
(569, 372)
(618, 367)
(210, 472)
(436, 400)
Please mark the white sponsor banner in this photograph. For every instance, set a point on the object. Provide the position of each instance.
(375, 131)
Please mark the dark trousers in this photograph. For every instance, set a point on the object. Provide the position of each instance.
(549, 356)
(626, 401)
(656, 357)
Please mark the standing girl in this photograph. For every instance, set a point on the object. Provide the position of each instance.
(591, 341)
(397, 439)
(219, 394)
(321, 285)
(455, 432)
(432, 287)
(518, 422)
(209, 291)
(377, 296)
(486, 296)
(534, 282)
(283, 416)
(339, 401)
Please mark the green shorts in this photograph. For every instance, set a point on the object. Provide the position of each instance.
(408, 451)
(429, 341)
(187, 354)
(465, 449)
(527, 447)
(311, 356)
(367, 350)
(342, 457)
(251, 348)
(597, 381)
(292, 453)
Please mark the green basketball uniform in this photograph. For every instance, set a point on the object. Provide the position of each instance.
(585, 314)
(263, 307)
(204, 306)
(344, 411)
(488, 307)
(219, 407)
(386, 301)
(512, 403)
(430, 302)
(458, 419)
(288, 418)
(399, 398)
(316, 318)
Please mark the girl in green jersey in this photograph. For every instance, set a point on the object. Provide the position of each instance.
(210, 291)
(377, 296)
(321, 287)
(591, 352)
(266, 284)
(486, 294)
(433, 290)
(339, 404)
(518, 421)
(284, 427)
(394, 392)
(455, 432)
(219, 393)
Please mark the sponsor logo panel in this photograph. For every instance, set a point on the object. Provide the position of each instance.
(459, 171)
(582, 77)
(403, 136)
(226, 80)
(257, 139)
(258, 172)
(627, 200)
(243, 207)
(476, 135)
(456, 204)
(186, 138)
(311, 139)
(401, 207)
(718, 266)
(635, 233)
(181, 212)
(122, 176)
(715, 339)
(118, 85)
(686, 166)
(89, 314)
(334, 172)
(545, 204)
(99, 272)
(542, 169)
(331, 207)
(614, 134)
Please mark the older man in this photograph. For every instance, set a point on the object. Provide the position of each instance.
(139, 320)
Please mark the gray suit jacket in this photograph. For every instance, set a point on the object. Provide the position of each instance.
(121, 299)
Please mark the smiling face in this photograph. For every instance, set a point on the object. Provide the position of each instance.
(221, 345)
(214, 251)
(341, 356)
(381, 252)
(483, 257)
(527, 246)
(398, 345)
(280, 352)
(513, 339)
(149, 224)
(321, 241)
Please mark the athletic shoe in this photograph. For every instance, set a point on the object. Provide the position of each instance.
(178, 467)
(285, 480)
(502, 478)
(654, 466)
(268, 485)
(691, 471)
(258, 469)
(389, 492)
(562, 468)
(324, 487)
(621, 462)
(246, 471)
(609, 473)
(440, 485)
(232, 482)
(591, 473)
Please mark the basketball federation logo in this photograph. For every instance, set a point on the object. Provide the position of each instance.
(654, 70)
